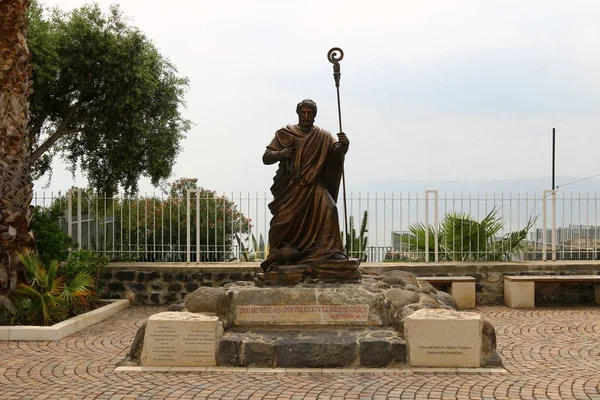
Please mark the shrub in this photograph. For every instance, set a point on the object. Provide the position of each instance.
(51, 242)
(86, 261)
(47, 298)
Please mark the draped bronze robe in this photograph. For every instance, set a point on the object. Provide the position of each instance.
(305, 190)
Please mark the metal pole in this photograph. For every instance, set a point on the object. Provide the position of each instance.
(553, 155)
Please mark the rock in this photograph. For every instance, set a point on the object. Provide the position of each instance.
(375, 352)
(402, 278)
(208, 300)
(258, 354)
(446, 299)
(400, 315)
(401, 297)
(426, 287)
(383, 285)
(489, 355)
(229, 351)
(316, 352)
(398, 351)
(428, 301)
(134, 355)
(176, 307)
(412, 288)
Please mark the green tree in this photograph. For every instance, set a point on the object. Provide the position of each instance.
(105, 98)
(155, 228)
(462, 238)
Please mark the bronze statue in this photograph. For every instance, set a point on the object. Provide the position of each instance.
(304, 235)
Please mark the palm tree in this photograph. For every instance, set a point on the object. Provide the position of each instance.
(462, 238)
(16, 188)
(356, 242)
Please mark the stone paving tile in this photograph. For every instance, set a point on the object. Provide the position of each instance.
(548, 353)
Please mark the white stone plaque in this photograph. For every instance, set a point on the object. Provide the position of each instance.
(181, 339)
(443, 338)
(329, 314)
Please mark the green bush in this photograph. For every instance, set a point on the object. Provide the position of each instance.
(86, 261)
(51, 242)
(47, 297)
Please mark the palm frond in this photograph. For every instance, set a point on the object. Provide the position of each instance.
(78, 288)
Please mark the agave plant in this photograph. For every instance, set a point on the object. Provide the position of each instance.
(259, 250)
(462, 238)
(47, 296)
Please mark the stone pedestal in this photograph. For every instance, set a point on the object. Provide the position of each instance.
(309, 306)
(327, 271)
(181, 339)
(443, 338)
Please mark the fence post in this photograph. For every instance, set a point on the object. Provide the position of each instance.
(188, 228)
(545, 225)
(70, 214)
(435, 225)
(554, 225)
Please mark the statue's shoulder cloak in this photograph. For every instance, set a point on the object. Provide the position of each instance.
(314, 156)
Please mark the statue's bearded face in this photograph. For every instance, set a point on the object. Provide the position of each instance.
(306, 117)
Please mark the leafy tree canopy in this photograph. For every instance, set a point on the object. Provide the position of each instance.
(104, 98)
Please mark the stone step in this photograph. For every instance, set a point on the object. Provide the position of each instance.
(329, 347)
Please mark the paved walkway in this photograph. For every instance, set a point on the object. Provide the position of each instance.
(549, 353)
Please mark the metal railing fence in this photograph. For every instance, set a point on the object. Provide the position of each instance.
(202, 226)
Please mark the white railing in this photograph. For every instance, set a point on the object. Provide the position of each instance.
(201, 226)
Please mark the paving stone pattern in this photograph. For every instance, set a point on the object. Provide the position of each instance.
(549, 353)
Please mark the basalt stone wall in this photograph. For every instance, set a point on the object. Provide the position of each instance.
(489, 277)
(165, 283)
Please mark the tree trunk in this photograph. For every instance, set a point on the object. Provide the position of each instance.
(16, 188)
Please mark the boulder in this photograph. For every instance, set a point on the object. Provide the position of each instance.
(401, 278)
(208, 300)
(135, 351)
(426, 287)
(489, 355)
(401, 297)
(446, 299)
(428, 301)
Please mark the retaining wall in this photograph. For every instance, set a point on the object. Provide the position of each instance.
(165, 283)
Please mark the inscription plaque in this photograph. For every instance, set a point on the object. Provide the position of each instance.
(443, 338)
(330, 314)
(181, 339)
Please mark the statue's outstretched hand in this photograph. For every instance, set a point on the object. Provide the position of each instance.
(285, 153)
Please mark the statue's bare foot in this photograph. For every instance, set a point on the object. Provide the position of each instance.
(339, 257)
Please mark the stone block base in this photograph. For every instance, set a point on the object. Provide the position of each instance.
(443, 338)
(321, 348)
(181, 339)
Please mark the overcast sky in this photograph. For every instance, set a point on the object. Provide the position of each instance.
(430, 90)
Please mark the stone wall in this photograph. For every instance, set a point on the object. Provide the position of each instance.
(490, 278)
(165, 283)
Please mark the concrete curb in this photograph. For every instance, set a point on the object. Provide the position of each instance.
(64, 328)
